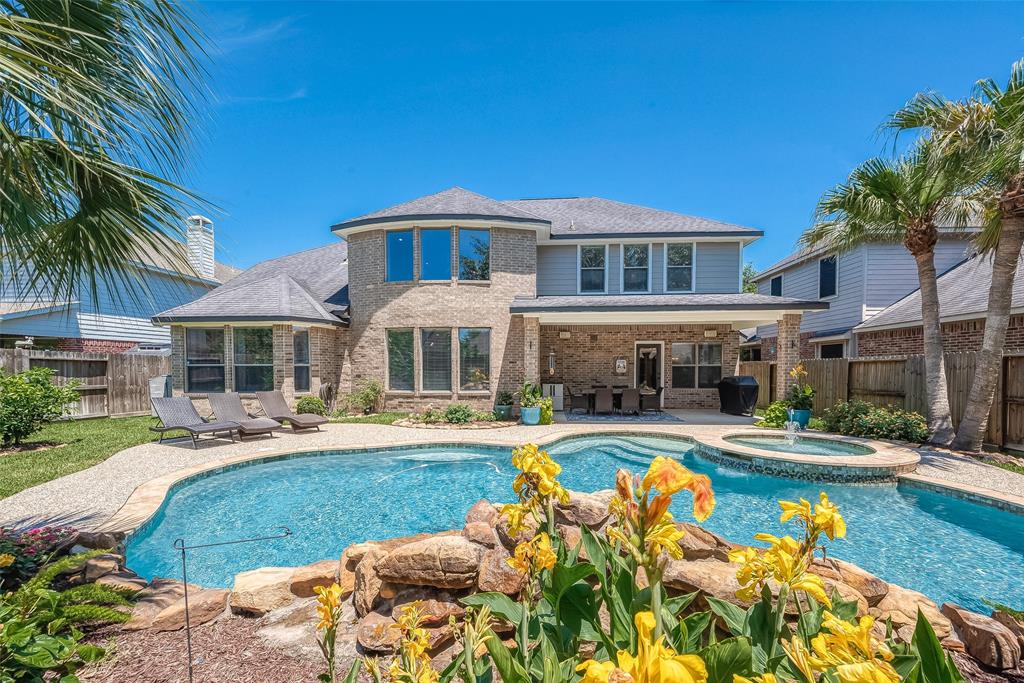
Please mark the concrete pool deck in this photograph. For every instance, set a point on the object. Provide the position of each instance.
(96, 498)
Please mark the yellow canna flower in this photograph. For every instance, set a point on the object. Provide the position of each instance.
(867, 672)
(801, 510)
(828, 519)
(800, 658)
(530, 557)
(703, 497)
(664, 535)
(516, 514)
(6, 560)
(655, 662)
(596, 672)
(328, 601)
(666, 476)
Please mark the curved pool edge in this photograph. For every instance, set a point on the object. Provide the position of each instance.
(974, 494)
(147, 498)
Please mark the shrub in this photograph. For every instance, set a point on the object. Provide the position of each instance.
(530, 395)
(547, 411)
(504, 398)
(367, 398)
(311, 404)
(459, 413)
(859, 418)
(484, 416)
(23, 552)
(30, 399)
(775, 415)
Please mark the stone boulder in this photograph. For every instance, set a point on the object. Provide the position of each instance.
(901, 605)
(482, 511)
(377, 633)
(124, 581)
(867, 584)
(701, 544)
(984, 638)
(572, 537)
(366, 583)
(154, 599)
(203, 606)
(442, 562)
(323, 573)
(717, 579)
(1016, 627)
(585, 509)
(292, 629)
(510, 542)
(481, 533)
(496, 576)
(101, 565)
(262, 590)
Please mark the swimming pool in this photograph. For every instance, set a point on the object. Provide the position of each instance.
(949, 549)
(800, 445)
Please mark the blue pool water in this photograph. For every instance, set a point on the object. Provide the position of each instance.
(802, 445)
(949, 549)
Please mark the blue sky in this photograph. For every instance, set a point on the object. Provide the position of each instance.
(740, 112)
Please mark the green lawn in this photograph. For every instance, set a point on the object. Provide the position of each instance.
(87, 443)
(1012, 466)
(375, 419)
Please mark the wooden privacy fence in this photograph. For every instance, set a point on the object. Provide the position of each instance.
(111, 384)
(900, 381)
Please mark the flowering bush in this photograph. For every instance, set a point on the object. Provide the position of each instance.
(774, 415)
(859, 418)
(614, 606)
(459, 413)
(801, 394)
(30, 399)
(23, 552)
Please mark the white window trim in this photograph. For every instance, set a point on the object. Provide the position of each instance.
(828, 298)
(223, 364)
(453, 361)
(387, 363)
(830, 343)
(579, 268)
(693, 269)
(622, 267)
(697, 365)
(412, 234)
(782, 285)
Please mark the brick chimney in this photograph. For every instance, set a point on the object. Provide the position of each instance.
(199, 238)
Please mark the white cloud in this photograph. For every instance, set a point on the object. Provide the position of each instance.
(299, 93)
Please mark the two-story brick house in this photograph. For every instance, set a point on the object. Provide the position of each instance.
(455, 296)
(856, 284)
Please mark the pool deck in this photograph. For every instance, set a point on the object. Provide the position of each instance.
(124, 490)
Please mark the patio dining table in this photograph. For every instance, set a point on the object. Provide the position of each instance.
(591, 395)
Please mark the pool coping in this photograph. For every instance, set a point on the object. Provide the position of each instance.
(975, 494)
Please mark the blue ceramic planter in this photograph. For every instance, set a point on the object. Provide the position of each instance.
(802, 417)
(530, 416)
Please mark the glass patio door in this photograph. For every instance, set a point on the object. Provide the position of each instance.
(648, 365)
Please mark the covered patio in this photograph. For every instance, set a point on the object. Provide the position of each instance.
(674, 349)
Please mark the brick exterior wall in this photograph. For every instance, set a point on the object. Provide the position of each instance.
(808, 350)
(94, 345)
(787, 352)
(588, 356)
(961, 335)
(378, 306)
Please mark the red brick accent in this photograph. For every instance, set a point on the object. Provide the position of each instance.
(769, 347)
(588, 356)
(961, 335)
(94, 345)
(789, 346)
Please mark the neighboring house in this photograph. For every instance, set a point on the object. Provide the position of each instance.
(454, 296)
(111, 321)
(963, 303)
(857, 284)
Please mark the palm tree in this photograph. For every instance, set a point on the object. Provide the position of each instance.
(96, 105)
(985, 132)
(901, 201)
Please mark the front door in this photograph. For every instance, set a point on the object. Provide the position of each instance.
(648, 365)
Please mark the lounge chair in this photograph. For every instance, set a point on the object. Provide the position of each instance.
(604, 401)
(178, 413)
(577, 401)
(631, 401)
(276, 408)
(229, 407)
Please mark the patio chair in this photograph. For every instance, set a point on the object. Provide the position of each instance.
(604, 402)
(178, 413)
(577, 401)
(276, 408)
(229, 407)
(651, 402)
(631, 401)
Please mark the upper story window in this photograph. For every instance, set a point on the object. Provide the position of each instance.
(828, 277)
(254, 359)
(398, 256)
(474, 254)
(775, 286)
(436, 254)
(636, 270)
(204, 360)
(593, 269)
(679, 268)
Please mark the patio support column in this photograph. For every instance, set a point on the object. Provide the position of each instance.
(531, 349)
(788, 353)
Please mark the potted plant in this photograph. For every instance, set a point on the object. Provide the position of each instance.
(503, 405)
(530, 397)
(801, 397)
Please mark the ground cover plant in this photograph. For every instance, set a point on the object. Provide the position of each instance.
(859, 418)
(792, 631)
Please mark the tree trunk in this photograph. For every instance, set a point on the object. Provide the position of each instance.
(940, 424)
(1000, 297)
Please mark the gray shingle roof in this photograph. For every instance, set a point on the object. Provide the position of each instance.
(655, 302)
(454, 202)
(310, 286)
(584, 216)
(963, 292)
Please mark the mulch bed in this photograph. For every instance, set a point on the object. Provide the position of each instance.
(29, 447)
(224, 650)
